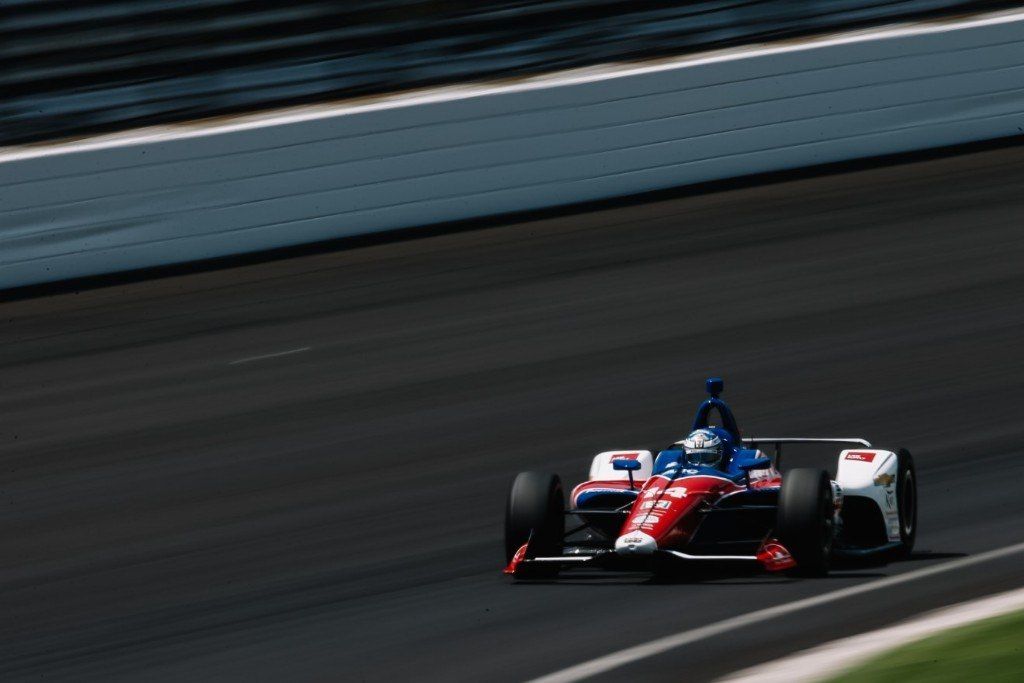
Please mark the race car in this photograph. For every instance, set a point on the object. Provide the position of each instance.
(715, 499)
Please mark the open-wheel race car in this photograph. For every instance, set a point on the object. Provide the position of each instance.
(715, 499)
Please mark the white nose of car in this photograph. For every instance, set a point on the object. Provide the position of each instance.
(635, 543)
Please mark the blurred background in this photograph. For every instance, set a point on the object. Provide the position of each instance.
(90, 66)
(222, 463)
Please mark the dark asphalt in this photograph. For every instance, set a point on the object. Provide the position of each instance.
(171, 513)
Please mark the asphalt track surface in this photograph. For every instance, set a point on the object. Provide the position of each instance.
(184, 500)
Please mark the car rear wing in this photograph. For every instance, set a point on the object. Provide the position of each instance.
(779, 440)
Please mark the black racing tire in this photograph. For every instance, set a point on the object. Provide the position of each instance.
(906, 501)
(804, 521)
(536, 513)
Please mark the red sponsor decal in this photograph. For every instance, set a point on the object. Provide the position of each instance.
(623, 456)
(858, 455)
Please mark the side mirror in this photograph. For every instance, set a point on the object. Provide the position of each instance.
(756, 464)
(628, 465)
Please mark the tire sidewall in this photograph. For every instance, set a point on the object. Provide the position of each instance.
(904, 489)
(535, 512)
(805, 519)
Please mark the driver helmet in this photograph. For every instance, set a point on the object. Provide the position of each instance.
(704, 448)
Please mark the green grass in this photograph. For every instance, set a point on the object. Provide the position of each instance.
(991, 651)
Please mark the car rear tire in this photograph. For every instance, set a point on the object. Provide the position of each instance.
(805, 519)
(535, 513)
(906, 501)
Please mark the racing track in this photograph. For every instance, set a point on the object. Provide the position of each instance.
(179, 506)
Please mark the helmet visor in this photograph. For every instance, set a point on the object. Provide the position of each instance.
(706, 457)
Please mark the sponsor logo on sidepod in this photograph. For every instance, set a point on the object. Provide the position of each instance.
(623, 456)
(862, 457)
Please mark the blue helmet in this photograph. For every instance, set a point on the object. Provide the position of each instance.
(704, 448)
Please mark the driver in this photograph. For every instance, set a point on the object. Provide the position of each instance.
(703, 448)
(707, 448)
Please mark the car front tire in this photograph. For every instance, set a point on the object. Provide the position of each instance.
(536, 513)
(805, 519)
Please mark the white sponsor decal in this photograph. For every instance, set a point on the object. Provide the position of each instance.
(600, 490)
(676, 492)
(648, 520)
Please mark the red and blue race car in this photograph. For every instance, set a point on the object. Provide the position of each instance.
(715, 499)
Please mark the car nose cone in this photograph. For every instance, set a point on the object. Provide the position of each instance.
(635, 543)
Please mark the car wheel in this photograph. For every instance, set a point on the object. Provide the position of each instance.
(535, 513)
(805, 519)
(906, 500)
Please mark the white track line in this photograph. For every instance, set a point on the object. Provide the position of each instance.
(833, 658)
(662, 645)
(270, 355)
